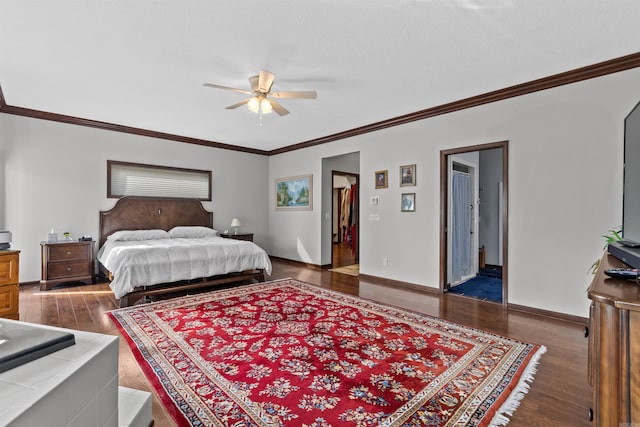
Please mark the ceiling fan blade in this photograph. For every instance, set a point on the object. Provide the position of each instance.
(265, 80)
(246, 92)
(278, 108)
(299, 94)
(238, 104)
(253, 81)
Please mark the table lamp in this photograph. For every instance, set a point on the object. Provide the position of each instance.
(235, 222)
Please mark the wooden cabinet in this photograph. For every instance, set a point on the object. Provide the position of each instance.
(239, 236)
(9, 283)
(64, 262)
(614, 347)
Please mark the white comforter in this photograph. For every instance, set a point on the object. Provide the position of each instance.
(151, 262)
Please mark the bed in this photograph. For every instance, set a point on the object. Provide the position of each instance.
(140, 261)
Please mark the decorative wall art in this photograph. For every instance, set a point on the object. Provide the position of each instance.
(381, 179)
(407, 175)
(294, 193)
(408, 202)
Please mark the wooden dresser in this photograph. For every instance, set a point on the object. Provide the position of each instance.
(9, 283)
(67, 261)
(614, 347)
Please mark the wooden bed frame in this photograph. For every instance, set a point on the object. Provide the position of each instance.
(142, 213)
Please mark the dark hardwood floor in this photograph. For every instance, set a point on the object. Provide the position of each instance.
(559, 396)
(342, 255)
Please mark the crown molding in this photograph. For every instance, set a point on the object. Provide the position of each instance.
(79, 121)
(579, 74)
(573, 76)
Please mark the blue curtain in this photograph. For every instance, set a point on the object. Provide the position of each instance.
(460, 226)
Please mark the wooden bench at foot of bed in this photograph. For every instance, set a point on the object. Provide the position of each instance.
(163, 289)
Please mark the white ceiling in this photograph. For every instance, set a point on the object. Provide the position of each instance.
(142, 63)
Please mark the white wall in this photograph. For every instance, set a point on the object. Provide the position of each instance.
(55, 177)
(565, 189)
(4, 136)
(565, 177)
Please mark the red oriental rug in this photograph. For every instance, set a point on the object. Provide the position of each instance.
(286, 353)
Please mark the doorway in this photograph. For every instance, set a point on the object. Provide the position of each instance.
(344, 219)
(474, 221)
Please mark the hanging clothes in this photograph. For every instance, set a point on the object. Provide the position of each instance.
(353, 218)
(345, 212)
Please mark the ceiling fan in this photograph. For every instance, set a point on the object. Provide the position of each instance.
(261, 100)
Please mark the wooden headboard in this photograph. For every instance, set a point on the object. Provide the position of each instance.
(143, 213)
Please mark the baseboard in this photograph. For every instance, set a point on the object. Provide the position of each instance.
(398, 284)
(33, 282)
(514, 307)
(300, 263)
(578, 320)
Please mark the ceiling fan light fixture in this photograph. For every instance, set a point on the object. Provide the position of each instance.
(259, 105)
(265, 106)
(261, 100)
(254, 104)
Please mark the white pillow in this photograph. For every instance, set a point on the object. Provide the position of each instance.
(191, 232)
(124, 235)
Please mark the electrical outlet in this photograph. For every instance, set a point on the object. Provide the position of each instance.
(385, 262)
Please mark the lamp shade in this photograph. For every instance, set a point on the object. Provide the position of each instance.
(235, 222)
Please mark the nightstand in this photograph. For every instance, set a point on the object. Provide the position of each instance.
(239, 236)
(9, 283)
(67, 261)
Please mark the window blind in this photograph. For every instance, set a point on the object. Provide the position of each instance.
(127, 179)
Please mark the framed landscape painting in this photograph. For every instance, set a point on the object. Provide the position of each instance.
(295, 193)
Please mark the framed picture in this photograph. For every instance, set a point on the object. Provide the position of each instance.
(407, 175)
(408, 202)
(295, 193)
(381, 179)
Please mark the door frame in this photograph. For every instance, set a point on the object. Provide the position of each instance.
(444, 211)
(356, 214)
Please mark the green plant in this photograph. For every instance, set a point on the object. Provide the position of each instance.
(615, 236)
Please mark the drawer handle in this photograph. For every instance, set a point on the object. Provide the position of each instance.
(68, 268)
(68, 253)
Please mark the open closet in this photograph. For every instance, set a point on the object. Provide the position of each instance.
(344, 219)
